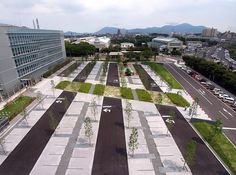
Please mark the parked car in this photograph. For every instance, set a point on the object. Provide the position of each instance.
(229, 100)
(198, 77)
(189, 71)
(218, 91)
(211, 87)
(223, 95)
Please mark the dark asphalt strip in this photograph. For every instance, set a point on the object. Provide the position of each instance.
(23, 158)
(205, 162)
(82, 76)
(113, 77)
(110, 155)
(146, 79)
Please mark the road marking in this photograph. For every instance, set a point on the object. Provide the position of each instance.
(223, 115)
(107, 106)
(106, 110)
(191, 85)
(202, 91)
(228, 112)
(227, 128)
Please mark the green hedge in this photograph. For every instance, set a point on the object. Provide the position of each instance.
(63, 84)
(99, 89)
(126, 93)
(15, 107)
(221, 145)
(85, 87)
(164, 74)
(143, 95)
(56, 68)
(177, 100)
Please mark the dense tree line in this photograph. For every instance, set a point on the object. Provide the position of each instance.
(215, 72)
(81, 49)
(137, 40)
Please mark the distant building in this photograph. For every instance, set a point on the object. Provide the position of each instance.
(126, 45)
(209, 32)
(193, 44)
(118, 32)
(166, 43)
(98, 42)
(26, 54)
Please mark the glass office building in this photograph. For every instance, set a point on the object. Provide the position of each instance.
(26, 54)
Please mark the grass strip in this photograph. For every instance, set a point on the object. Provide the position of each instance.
(126, 93)
(222, 146)
(15, 107)
(177, 99)
(164, 74)
(99, 89)
(85, 87)
(143, 95)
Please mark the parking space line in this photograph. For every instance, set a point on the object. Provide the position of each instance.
(223, 115)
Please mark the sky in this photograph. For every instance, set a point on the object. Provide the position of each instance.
(92, 15)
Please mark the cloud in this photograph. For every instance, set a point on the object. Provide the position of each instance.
(90, 15)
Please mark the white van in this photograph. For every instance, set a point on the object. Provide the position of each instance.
(228, 100)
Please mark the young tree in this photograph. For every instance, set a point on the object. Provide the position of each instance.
(123, 82)
(94, 107)
(133, 141)
(53, 87)
(52, 122)
(39, 98)
(2, 142)
(216, 130)
(128, 111)
(189, 156)
(170, 121)
(88, 128)
(24, 114)
(159, 98)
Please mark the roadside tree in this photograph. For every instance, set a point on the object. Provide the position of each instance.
(88, 129)
(128, 112)
(94, 107)
(133, 141)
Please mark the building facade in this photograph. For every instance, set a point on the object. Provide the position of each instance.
(209, 32)
(126, 45)
(26, 54)
(166, 43)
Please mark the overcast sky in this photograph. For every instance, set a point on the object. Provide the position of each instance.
(92, 15)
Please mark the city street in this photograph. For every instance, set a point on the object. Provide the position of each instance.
(215, 108)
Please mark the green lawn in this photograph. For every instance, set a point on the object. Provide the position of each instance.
(220, 144)
(126, 93)
(177, 100)
(13, 108)
(63, 84)
(143, 95)
(164, 74)
(85, 87)
(99, 89)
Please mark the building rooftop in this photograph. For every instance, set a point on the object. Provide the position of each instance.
(165, 39)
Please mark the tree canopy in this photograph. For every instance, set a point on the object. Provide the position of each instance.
(81, 49)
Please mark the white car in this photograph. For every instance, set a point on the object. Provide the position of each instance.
(222, 95)
(229, 100)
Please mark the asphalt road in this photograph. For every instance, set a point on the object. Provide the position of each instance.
(82, 76)
(182, 132)
(23, 158)
(110, 154)
(214, 107)
(113, 77)
(146, 79)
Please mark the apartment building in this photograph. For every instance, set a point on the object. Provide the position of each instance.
(26, 54)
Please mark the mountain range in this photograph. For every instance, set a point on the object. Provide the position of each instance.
(166, 29)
